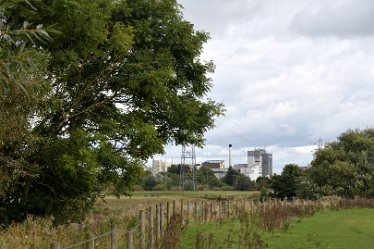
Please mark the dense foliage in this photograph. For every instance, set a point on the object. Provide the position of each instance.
(205, 179)
(83, 107)
(286, 184)
(346, 167)
(170, 180)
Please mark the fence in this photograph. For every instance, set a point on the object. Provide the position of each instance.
(150, 227)
(151, 224)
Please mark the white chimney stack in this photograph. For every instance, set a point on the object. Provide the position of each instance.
(230, 159)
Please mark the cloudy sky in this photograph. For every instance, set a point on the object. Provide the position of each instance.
(289, 73)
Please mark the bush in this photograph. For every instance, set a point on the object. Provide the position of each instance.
(159, 187)
(176, 188)
(138, 188)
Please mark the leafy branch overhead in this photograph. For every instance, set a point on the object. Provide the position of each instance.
(104, 86)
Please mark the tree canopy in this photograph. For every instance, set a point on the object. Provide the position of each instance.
(346, 167)
(286, 184)
(116, 80)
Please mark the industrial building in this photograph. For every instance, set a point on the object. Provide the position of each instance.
(217, 166)
(160, 166)
(259, 163)
(214, 164)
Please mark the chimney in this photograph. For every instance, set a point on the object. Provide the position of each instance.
(230, 158)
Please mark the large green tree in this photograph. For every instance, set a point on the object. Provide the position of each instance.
(125, 79)
(287, 183)
(346, 167)
(23, 90)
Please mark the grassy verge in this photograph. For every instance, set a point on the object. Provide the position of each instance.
(343, 229)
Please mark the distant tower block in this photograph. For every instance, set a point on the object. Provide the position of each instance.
(188, 158)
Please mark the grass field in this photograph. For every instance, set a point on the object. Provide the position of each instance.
(139, 199)
(344, 229)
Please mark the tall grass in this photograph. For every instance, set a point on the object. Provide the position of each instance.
(276, 214)
(243, 214)
(37, 232)
(243, 230)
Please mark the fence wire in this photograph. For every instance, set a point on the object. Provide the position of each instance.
(89, 240)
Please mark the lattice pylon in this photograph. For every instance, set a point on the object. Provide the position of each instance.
(188, 158)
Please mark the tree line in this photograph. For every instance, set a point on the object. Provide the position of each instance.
(343, 168)
(204, 179)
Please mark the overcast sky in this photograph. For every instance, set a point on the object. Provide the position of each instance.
(288, 71)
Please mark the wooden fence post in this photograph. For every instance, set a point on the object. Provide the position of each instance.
(195, 211)
(113, 237)
(223, 213)
(142, 230)
(219, 209)
(174, 207)
(167, 213)
(158, 232)
(90, 237)
(55, 245)
(188, 212)
(129, 239)
(228, 209)
(203, 212)
(236, 208)
(182, 210)
(151, 229)
(161, 221)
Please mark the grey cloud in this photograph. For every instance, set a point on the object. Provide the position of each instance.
(284, 86)
(340, 18)
(217, 16)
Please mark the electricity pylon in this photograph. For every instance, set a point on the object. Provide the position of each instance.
(188, 158)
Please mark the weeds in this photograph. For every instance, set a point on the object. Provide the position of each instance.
(172, 237)
(268, 215)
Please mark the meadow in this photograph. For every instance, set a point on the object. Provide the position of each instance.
(38, 233)
(327, 229)
(205, 220)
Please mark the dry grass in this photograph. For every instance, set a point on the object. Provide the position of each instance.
(276, 214)
(38, 233)
(243, 229)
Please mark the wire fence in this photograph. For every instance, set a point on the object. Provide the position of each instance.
(149, 228)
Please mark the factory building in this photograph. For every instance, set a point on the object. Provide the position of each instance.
(259, 163)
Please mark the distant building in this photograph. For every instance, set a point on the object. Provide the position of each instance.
(160, 166)
(267, 164)
(214, 164)
(260, 163)
(219, 172)
(239, 166)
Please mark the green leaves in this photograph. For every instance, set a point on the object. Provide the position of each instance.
(106, 89)
(122, 37)
(287, 183)
(346, 167)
